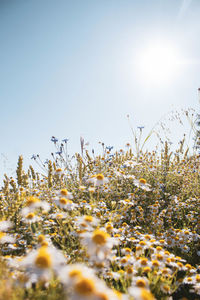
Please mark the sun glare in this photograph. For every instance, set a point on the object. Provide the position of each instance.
(159, 63)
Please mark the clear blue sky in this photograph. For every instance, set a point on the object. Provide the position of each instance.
(67, 69)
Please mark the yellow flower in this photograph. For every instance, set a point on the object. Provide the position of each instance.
(31, 200)
(142, 181)
(141, 283)
(30, 216)
(85, 286)
(43, 259)
(64, 192)
(41, 238)
(99, 237)
(146, 295)
(2, 234)
(100, 177)
(88, 218)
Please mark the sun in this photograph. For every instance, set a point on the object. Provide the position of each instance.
(159, 63)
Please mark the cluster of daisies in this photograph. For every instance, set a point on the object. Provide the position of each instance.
(119, 227)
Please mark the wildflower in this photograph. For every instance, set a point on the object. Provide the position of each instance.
(54, 139)
(165, 288)
(142, 183)
(6, 238)
(64, 193)
(86, 222)
(40, 263)
(141, 282)
(59, 172)
(59, 215)
(98, 180)
(33, 203)
(30, 217)
(91, 189)
(68, 274)
(142, 262)
(98, 243)
(65, 140)
(65, 203)
(140, 293)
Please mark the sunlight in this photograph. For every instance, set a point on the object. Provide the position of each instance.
(159, 63)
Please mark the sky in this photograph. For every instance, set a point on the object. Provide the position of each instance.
(72, 68)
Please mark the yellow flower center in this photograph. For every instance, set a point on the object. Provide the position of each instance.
(44, 244)
(58, 170)
(124, 260)
(146, 295)
(109, 227)
(147, 269)
(159, 257)
(189, 279)
(198, 278)
(64, 201)
(155, 263)
(180, 264)
(129, 270)
(159, 248)
(43, 259)
(41, 238)
(59, 216)
(30, 216)
(64, 192)
(2, 234)
(165, 271)
(166, 288)
(188, 266)
(142, 181)
(144, 261)
(128, 250)
(88, 218)
(85, 286)
(142, 243)
(99, 176)
(74, 273)
(140, 283)
(102, 296)
(99, 237)
(31, 200)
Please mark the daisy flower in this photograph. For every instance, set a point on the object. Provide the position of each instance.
(64, 193)
(98, 243)
(33, 203)
(69, 273)
(140, 293)
(29, 217)
(6, 238)
(81, 283)
(65, 203)
(59, 215)
(86, 222)
(98, 180)
(142, 183)
(40, 263)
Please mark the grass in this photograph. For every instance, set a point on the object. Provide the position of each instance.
(115, 226)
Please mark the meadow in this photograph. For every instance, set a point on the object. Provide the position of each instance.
(120, 225)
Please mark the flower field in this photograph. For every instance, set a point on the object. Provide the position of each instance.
(107, 227)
